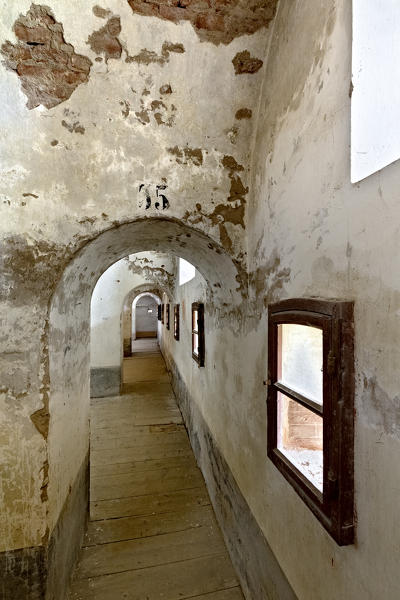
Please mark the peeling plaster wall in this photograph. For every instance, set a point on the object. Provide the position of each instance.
(108, 300)
(142, 135)
(126, 128)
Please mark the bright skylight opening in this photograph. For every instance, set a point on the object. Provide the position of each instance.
(186, 271)
(375, 102)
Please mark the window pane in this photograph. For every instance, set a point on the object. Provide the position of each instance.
(300, 438)
(195, 343)
(196, 320)
(301, 359)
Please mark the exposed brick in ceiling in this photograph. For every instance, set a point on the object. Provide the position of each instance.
(217, 21)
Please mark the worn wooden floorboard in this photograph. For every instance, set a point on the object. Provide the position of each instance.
(148, 482)
(130, 528)
(172, 581)
(137, 466)
(234, 593)
(153, 504)
(134, 453)
(129, 441)
(139, 553)
(152, 533)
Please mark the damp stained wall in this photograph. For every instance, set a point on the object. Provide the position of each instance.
(313, 233)
(309, 232)
(132, 129)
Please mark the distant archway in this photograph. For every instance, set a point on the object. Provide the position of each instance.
(127, 319)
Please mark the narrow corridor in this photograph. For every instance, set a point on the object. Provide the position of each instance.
(152, 532)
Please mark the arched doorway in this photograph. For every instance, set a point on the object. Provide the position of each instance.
(144, 317)
(67, 378)
(127, 324)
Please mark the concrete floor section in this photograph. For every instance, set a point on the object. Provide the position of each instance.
(152, 532)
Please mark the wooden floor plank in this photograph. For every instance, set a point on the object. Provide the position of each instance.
(139, 484)
(130, 441)
(104, 469)
(129, 528)
(135, 453)
(181, 580)
(139, 553)
(152, 504)
(230, 594)
(139, 431)
(152, 533)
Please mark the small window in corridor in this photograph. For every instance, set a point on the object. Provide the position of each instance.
(176, 322)
(167, 316)
(159, 312)
(310, 406)
(198, 347)
(162, 313)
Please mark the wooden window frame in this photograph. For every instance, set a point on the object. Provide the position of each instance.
(200, 357)
(335, 506)
(168, 316)
(176, 322)
(159, 312)
(162, 313)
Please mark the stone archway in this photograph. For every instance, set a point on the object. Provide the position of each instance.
(66, 383)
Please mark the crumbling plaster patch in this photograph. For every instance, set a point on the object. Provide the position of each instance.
(49, 68)
(105, 40)
(152, 267)
(243, 62)
(213, 21)
(147, 57)
(105, 139)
